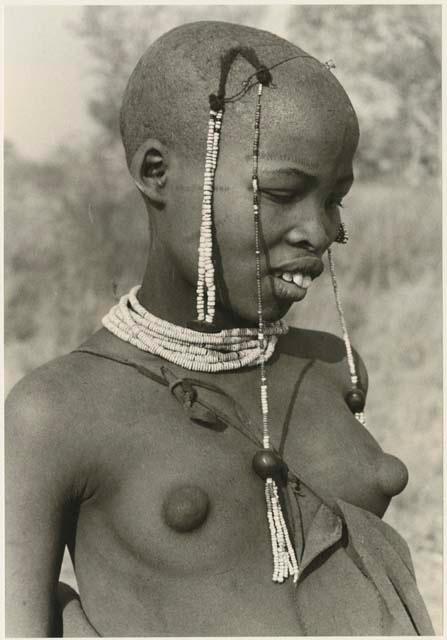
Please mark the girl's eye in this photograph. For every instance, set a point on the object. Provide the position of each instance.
(335, 201)
(280, 196)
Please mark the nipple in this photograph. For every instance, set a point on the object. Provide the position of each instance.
(392, 475)
(185, 508)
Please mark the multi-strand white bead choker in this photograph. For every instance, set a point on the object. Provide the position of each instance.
(226, 350)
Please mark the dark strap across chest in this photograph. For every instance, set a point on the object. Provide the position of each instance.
(184, 390)
(202, 412)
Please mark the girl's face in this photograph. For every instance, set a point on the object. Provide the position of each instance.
(305, 170)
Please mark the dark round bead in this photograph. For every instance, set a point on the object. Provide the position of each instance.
(268, 464)
(355, 399)
(216, 102)
(264, 76)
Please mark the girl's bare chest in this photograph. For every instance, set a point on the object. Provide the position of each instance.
(183, 494)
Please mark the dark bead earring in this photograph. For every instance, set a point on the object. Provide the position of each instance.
(342, 235)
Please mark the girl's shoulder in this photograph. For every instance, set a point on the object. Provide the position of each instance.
(326, 349)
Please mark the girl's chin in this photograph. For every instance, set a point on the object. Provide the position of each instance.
(271, 312)
(246, 314)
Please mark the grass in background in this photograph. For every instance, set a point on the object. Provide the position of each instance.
(390, 281)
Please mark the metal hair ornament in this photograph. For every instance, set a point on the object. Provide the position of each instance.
(330, 64)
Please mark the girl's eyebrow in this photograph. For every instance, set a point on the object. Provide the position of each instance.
(293, 171)
(343, 182)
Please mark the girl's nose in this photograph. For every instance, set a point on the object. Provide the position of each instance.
(310, 229)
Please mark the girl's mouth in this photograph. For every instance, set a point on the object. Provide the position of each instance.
(290, 286)
(291, 280)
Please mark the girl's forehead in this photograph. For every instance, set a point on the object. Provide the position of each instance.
(320, 142)
(311, 124)
(313, 146)
(314, 124)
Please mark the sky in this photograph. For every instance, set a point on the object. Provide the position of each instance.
(46, 68)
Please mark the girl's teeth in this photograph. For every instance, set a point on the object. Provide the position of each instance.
(306, 282)
(298, 279)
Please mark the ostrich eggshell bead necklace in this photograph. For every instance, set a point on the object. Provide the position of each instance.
(226, 350)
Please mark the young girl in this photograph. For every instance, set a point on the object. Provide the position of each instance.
(209, 470)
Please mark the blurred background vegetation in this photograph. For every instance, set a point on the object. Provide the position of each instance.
(76, 235)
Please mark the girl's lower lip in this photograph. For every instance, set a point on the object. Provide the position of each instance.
(287, 290)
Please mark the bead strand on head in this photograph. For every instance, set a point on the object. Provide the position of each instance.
(206, 287)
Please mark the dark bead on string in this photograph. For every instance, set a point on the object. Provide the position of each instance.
(268, 464)
(216, 102)
(264, 76)
(355, 399)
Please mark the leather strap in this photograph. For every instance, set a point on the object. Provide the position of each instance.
(205, 414)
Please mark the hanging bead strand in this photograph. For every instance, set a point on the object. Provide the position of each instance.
(355, 398)
(266, 463)
(206, 287)
(261, 337)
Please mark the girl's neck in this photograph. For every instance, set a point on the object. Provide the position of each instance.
(168, 295)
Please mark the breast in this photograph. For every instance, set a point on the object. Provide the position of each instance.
(185, 507)
(338, 457)
(385, 478)
(193, 505)
(392, 475)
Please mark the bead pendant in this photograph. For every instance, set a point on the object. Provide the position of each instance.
(355, 399)
(268, 464)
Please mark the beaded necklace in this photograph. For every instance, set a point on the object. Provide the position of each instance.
(227, 350)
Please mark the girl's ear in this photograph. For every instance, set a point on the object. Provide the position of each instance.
(149, 170)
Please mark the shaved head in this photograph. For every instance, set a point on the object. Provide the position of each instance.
(167, 94)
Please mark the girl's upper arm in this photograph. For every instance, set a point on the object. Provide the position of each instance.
(38, 488)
